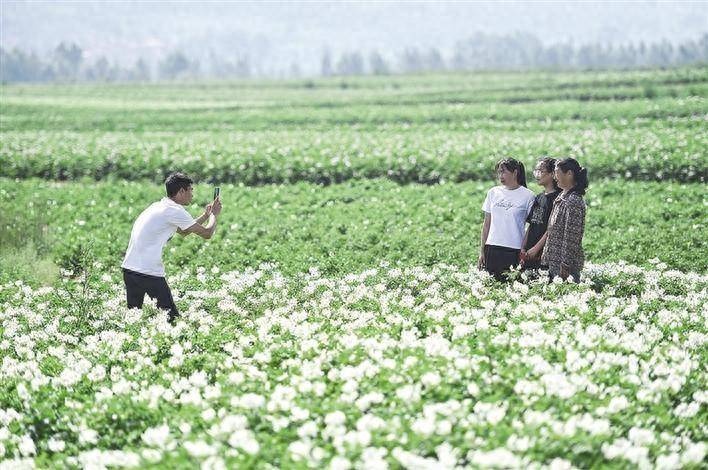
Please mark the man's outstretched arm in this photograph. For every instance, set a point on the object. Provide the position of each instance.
(206, 232)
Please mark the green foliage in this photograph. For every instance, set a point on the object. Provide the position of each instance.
(26, 245)
(353, 225)
(25, 263)
(409, 129)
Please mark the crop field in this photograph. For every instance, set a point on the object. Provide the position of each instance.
(337, 319)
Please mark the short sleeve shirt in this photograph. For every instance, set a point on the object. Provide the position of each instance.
(509, 209)
(151, 231)
(538, 218)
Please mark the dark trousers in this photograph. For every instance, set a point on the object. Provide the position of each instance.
(498, 260)
(138, 284)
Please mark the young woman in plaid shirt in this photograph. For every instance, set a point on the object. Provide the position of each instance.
(563, 252)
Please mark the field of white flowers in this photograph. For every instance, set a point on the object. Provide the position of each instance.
(417, 367)
(381, 357)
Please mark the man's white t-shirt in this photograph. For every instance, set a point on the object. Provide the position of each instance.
(509, 209)
(151, 231)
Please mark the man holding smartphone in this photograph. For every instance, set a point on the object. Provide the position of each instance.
(143, 271)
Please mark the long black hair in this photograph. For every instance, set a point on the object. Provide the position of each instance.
(580, 174)
(511, 164)
(549, 164)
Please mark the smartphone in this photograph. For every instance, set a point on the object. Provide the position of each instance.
(216, 192)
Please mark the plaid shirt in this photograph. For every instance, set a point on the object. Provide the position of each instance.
(565, 234)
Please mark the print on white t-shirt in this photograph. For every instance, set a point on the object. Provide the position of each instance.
(151, 231)
(509, 209)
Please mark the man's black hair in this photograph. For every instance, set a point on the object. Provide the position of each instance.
(177, 181)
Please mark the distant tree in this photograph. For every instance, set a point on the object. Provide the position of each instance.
(216, 66)
(527, 50)
(626, 55)
(642, 55)
(17, 66)
(687, 53)
(587, 56)
(67, 60)
(377, 64)
(351, 63)
(476, 52)
(556, 56)
(480, 51)
(226, 68)
(194, 69)
(100, 70)
(175, 65)
(609, 57)
(703, 49)
(433, 60)
(515, 51)
(661, 53)
(140, 71)
(411, 60)
(243, 67)
(295, 71)
(326, 69)
(459, 61)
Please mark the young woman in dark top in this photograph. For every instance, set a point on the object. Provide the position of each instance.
(540, 213)
(563, 252)
(506, 208)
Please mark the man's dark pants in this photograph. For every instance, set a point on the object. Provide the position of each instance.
(138, 284)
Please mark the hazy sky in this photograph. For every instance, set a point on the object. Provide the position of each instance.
(300, 31)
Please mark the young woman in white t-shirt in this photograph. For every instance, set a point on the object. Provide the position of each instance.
(505, 210)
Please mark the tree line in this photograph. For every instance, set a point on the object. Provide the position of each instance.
(520, 51)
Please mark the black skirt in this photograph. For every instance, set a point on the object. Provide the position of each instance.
(498, 260)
